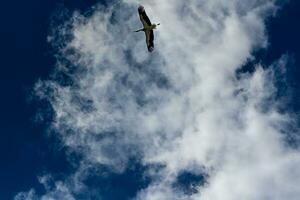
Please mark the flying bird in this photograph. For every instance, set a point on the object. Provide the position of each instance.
(148, 28)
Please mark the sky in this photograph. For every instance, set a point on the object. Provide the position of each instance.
(88, 113)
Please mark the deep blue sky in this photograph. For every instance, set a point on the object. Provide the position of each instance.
(25, 150)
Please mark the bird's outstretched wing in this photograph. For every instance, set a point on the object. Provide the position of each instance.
(149, 40)
(143, 16)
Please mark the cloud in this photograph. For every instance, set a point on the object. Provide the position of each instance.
(183, 107)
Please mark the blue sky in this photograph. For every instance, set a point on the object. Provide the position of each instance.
(30, 149)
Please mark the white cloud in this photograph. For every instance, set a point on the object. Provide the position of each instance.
(181, 106)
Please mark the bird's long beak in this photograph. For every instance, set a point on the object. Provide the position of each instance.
(138, 30)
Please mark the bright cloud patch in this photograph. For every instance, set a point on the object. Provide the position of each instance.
(182, 109)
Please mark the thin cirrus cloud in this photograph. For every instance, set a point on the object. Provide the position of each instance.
(183, 107)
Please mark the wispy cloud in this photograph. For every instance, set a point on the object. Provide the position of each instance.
(182, 107)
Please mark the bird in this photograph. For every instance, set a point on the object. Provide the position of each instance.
(148, 28)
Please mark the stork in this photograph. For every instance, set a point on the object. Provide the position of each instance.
(148, 28)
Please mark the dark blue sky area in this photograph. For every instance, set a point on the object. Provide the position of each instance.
(25, 150)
